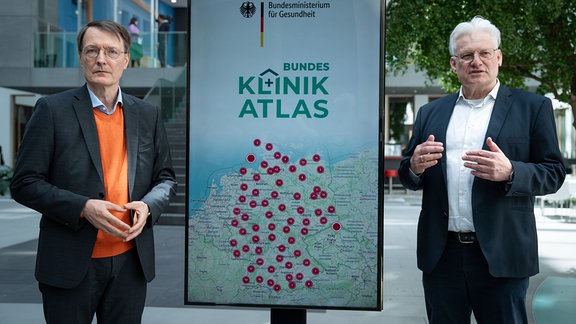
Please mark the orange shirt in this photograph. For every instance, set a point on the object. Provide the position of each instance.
(114, 159)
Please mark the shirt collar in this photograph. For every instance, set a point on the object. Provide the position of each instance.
(491, 95)
(96, 103)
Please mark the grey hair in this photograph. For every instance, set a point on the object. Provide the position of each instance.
(476, 24)
(107, 26)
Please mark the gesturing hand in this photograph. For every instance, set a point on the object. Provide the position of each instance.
(426, 155)
(490, 165)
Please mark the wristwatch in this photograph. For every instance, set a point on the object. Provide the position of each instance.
(511, 177)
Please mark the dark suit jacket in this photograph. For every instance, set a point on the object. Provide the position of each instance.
(523, 126)
(58, 169)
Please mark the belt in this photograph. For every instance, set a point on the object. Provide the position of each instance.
(463, 237)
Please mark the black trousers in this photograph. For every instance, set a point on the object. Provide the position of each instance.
(114, 289)
(461, 284)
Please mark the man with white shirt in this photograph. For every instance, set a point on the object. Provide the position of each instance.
(480, 156)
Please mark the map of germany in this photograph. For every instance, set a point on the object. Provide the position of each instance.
(288, 230)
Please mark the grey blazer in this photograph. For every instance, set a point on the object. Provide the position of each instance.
(58, 169)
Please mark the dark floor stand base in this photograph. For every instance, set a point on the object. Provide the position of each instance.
(287, 316)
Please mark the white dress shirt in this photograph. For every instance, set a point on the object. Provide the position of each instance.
(466, 131)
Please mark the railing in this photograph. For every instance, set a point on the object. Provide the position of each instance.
(170, 96)
(59, 49)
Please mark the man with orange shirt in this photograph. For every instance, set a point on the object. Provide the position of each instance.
(95, 162)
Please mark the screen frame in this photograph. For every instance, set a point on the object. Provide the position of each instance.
(380, 249)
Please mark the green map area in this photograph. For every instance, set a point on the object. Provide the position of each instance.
(287, 231)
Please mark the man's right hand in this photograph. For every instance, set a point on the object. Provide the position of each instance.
(426, 155)
(97, 212)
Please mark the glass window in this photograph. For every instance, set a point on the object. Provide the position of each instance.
(400, 120)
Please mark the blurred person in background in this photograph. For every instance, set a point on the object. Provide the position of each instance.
(163, 29)
(135, 44)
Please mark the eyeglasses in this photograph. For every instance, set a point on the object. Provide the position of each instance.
(485, 55)
(110, 52)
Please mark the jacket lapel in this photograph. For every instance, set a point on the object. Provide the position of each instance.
(442, 124)
(84, 112)
(131, 132)
(499, 113)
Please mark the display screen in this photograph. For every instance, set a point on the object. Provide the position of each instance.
(284, 202)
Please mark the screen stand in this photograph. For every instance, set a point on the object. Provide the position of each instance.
(287, 316)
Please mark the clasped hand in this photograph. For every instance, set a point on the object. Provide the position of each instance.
(98, 213)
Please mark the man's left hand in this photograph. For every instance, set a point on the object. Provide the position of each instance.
(140, 215)
(490, 165)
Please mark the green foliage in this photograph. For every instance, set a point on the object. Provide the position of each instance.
(5, 178)
(538, 39)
